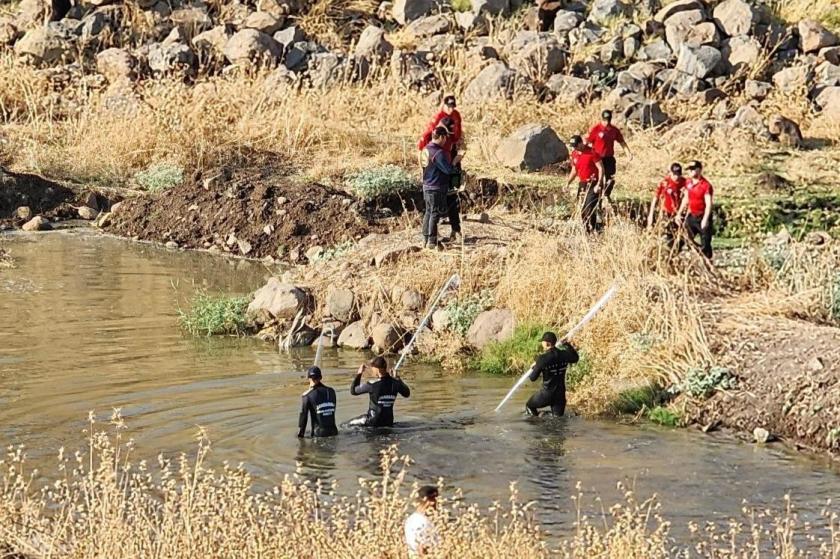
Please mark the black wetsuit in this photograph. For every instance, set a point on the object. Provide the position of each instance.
(383, 393)
(319, 403)
(552, 366)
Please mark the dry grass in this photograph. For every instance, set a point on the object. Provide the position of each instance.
(104, 502)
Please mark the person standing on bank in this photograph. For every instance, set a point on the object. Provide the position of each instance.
(383, 392)
(318, 403)
(447, 110)
(698, 199)
(552, 366)
(587, 167)
(420, 533)
(667, 199)
(438, 169)
(602, 137)
(453, 200)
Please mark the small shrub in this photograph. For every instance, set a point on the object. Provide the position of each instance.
(337, 251)
(212, 316)
(578, 372)
(634, 400)
(701, 383)
(665, 416)
(512, 356)
(160, 176)
(462, 312)
(461, 5)
(380, 181)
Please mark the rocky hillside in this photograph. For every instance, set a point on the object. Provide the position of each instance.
(634, 54)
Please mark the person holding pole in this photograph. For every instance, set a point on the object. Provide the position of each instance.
(552, 366)
(318, 403)
(588, 169)
(383, 391)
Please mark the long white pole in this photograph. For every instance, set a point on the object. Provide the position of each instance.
(451, 283)
(589, 316)
(319, 351)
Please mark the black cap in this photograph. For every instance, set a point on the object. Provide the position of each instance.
(449, 101)
(313, 373)
(378, 362)
(427, 493)
(606, 115)
(695, 165)
(550, 337)
(676, 168)
(575, 141)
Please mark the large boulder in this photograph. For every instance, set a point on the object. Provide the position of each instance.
(699, 62)
(43, 45)
(373, 45)
(704, 33)
(115, 64)
(680, 26)
(249, 44)
(792, 79)
(169, 58)
(341, 304)
(741, 51)
(678, 6)
(785, 131)
(211, 42)
(495, 325)
(757, 90)
(738, 17)
(276, 300)
(354, 337)
(827, 74)
(532, 147)
(749, 119)
(828, 101)
(495, 81)
(813, 36)
(37, 223)
(263, 21)
(537, 56)
(429, 26)
(569, 88)
(386, 338)
(603, 11)
(35, 12)
(406, 11)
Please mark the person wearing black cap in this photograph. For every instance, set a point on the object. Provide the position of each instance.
(698, 199)
(602, 137)
(552, 366)
(587, 167)
(318, 403)
(383, 391)
(667, 198)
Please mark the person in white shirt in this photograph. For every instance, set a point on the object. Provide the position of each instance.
(420, 533)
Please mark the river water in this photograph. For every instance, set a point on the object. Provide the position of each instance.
(89, 322)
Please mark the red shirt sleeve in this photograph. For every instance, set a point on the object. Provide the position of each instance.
(427, 135)
(457, 132)
(593, 133)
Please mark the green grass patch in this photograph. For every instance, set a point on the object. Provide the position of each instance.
(461, 5)
(215, 315)
(160, 176)
(376, 182)
(701, 383)
(462, 312)
(512, 356)
(634, 400)
(665, 416)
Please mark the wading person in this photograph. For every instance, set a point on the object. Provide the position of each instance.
(438, 170)
(318, 403)
(602, 137)
(420, 533)
(588, 169)
(383, 390)
(552, 366)
(546, 14)
(666, 200)
(698, 200)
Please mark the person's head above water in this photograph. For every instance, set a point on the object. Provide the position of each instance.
(427, 497)
(549, 340)
(379, 365)
(314, 375)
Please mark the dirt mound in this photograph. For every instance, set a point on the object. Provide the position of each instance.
(788, 383)
(42, 196)
(256, 215)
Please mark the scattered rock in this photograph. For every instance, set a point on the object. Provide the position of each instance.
(43, 46)
(679, 26)
(789, 80)
(748, 118)
(429, 26)
(829, 102)
(785, 131)
(171, 245)
(115, 64)
(741, 51)
(813, 36)
(340, 304)
(565, 21)
(818, 238)
(815, 365)
(495, 81)
(37, 223)
(537, 56)
(676, 7)
(390, 255)
(699, 62)
(264, 22)
(494, 325)
(251, 45)
(386, 338)
(440, 320)
(23, 213)
(373, 44)
(761, 435)
(532, 147)
(704, 33)
(569, 88)
(276, 300)
(737, 17)
(603, 11)
(411, 300)
(406, 11)
(757, 90)
(87, 213)
(354, 337)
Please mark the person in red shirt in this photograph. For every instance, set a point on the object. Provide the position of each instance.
(698, 199)
(602, 137)
(668, 197)
(587, 167)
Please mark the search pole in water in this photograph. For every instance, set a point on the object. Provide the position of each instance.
(589, 316)
(319, 351)
(452, 283)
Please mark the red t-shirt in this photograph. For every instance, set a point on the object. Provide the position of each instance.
(603, 137)
(697, 190)
(453, 138)
(585, 164)
(670, 192)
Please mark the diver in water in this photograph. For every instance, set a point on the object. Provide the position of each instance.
(319, 403)
(552, 366)
(383, 393)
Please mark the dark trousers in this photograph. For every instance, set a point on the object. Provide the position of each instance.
(545, 20)
(453, 210)
(693, 228)
(325, 431)
(589, 212)
(543, 399)
(435, 209)
(609, 174)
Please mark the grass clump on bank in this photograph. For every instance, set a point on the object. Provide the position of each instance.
(215, 315)
(665, 417)
(462, 312)
(160, 177)
(387, 180)
(512, 356)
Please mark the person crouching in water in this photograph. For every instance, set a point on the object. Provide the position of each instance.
(318, 403)
(383, 392)
(438, 169)
(667, 198)
(552, 366)
(587, 167)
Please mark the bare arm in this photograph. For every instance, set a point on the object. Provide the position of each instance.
(572, 175)
(601, 176)
(683, 206)
(707, 213)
